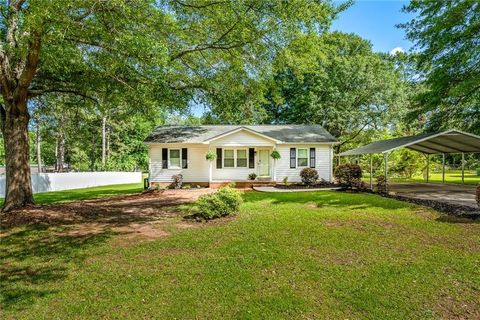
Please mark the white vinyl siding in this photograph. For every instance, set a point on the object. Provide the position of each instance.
(323, 162)
(197, 170)
(242, 139)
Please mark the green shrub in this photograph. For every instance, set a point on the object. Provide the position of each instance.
(252, 176)
(177, 181)
(348, 175)
(285, 181)
(478, 195)
(224, 202)
(309, 176)
(382, 185)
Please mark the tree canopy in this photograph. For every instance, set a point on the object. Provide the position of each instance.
(446, 36)
(335, 80)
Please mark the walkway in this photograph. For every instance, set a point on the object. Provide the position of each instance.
(449, 193)
(273, 189)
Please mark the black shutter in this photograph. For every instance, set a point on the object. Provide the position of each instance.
(164, 158)
(293, 158)
(219, 158)
(312, 157)
(184, 158)
(251, 158)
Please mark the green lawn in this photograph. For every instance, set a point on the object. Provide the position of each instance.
(327, 255)
(451, 176)
(85, 193)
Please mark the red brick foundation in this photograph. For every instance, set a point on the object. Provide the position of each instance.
(217, 184)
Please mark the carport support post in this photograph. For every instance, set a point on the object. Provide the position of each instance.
(386, 171)
(428, 166)
(371, 172)
(443, 167)
(463, 168)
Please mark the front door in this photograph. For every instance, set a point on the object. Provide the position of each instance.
(263, 163)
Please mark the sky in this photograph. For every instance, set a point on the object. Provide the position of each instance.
(375, 21)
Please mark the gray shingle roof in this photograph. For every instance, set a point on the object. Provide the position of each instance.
(450, 141)
(199, 134)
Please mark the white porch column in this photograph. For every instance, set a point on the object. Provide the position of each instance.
(463, 167)
(428, 166)
(210, 171)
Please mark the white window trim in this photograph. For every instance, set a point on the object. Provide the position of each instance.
(223, 158)
(246, 157)
(169, 158)
(234, 158)
(299, 166)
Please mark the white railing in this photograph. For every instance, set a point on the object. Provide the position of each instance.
(45, 182)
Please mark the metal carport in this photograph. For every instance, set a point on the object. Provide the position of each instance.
(446, 142)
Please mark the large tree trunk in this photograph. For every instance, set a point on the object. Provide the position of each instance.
(104, 142)
(15, 136)
(61, 151)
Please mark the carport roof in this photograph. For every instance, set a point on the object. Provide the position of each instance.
(450, 141)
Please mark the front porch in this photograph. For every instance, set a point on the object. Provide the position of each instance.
(237, 163)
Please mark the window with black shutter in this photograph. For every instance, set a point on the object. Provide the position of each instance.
(251, 158)
(164, 158)
(312, 157)
(219, 158)
(293, 158)
(184, 158)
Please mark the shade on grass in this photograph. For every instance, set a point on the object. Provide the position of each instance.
(285, 256)
(85, 193)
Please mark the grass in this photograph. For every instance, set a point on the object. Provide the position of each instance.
(451, 176)
(85, 193)
(312, 255)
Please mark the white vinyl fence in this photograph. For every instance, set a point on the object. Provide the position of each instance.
(44, 182)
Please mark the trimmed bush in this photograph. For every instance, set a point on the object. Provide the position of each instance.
(285, 181)
(478, 195)
(252, 176)
(177, 181)
(309, 176)
(224, 202)
(348, 175)
(382, 185)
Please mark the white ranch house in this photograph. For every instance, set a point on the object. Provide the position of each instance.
(239, 150)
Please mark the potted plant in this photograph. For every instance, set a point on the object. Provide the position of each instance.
(210, 155)
(252, 176)
(275, 155)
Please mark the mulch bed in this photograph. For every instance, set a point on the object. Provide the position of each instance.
(450, 208)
